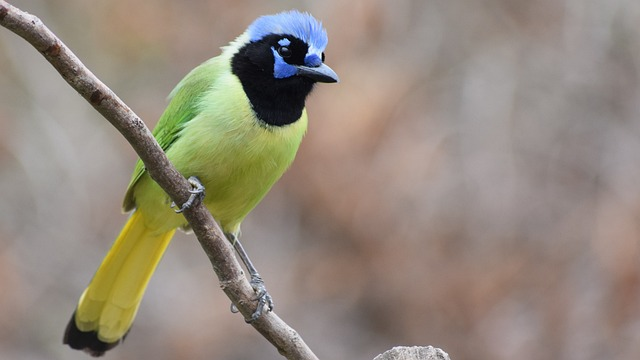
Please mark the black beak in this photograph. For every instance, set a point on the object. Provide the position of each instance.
(322, 73)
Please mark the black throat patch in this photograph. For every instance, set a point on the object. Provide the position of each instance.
(276, 102)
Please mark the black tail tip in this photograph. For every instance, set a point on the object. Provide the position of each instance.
(86, 341)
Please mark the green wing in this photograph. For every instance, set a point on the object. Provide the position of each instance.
(184, 105)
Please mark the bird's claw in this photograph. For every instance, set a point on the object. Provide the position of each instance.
(234, 309)
(197, 193)
(262, 297)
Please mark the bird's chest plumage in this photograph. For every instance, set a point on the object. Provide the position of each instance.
(236, 157)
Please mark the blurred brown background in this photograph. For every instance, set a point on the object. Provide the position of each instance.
(472, 183)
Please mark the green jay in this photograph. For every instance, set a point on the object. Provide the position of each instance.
(233, 126)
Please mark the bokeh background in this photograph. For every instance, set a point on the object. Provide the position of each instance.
(473, 182)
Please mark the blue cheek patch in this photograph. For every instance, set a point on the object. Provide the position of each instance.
(312, 60)
(281, 69)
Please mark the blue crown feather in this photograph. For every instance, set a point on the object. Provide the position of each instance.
(301, 25)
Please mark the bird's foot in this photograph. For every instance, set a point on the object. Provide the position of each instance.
(262, 297)
(197, 193)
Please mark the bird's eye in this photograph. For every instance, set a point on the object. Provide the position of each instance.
(322, 57)
(284, 51)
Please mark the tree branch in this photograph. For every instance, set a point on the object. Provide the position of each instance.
(413, 353)
(106, 102)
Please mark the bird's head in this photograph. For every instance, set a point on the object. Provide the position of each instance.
(278, 60)
(289, 44)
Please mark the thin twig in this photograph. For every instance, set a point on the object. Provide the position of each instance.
(209, 234)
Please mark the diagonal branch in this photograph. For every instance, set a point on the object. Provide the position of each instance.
(106, 102)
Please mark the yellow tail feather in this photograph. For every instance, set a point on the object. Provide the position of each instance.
(110, 302)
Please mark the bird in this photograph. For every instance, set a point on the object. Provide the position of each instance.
(233, 126)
